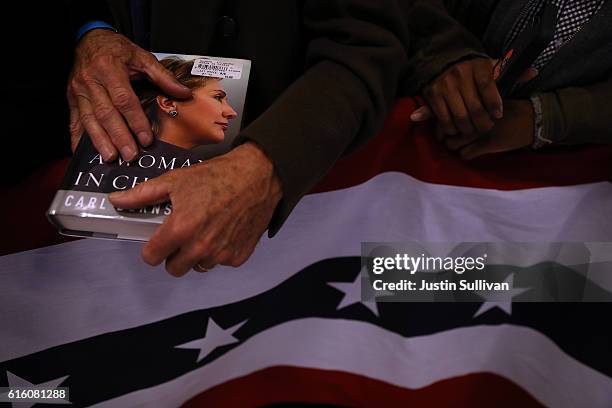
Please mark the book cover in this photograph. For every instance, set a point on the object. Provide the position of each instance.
(186, 133)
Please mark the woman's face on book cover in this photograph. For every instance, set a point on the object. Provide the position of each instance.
(201, 120)
(207, 115)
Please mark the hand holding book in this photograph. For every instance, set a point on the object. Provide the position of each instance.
(194, 214)
(102, 101)
(209, 224)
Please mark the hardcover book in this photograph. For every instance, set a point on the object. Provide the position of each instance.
(186, 132)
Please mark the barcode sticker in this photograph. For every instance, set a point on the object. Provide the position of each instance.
(216, 68)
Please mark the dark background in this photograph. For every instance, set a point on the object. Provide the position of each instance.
(38, 43)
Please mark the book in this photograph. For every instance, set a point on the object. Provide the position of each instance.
(186, 133)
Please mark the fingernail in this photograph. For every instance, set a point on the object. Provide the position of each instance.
(128, 153)
(499, 114)
(416, 116)
(145, 138)
(108, 154)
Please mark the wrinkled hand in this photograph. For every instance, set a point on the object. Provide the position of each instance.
(220, 208)
(101, 98)
(514, 131)
(464, 98)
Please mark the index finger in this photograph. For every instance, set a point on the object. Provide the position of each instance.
(127, 103)
(161, 77)
(483, 77)
(150, 192)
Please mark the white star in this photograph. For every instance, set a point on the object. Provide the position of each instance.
(18, 382)
(215, 337)
(352, 294)
(505, 304)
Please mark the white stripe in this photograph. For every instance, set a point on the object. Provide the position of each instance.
(519, 354)
(72, 291)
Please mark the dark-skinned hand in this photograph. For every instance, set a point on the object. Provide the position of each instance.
(514, 131)
(463, 99)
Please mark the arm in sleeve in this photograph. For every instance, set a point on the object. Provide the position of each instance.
(355, 58)
(578, 115)
(82, 12)
(441, 38)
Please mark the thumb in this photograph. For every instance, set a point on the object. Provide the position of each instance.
(148, 193)
(421, 114)
(161, 77)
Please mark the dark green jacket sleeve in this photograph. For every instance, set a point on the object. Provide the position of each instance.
(355, 59)
(81, 12)
(578, 115)
(441, 38)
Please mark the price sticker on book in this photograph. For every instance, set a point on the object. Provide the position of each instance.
(216, 68)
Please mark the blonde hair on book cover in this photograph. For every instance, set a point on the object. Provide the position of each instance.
(148, 92)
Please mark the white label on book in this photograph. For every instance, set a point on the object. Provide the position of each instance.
(216, 68)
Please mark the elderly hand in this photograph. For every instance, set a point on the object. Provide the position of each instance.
(514, 131)
(220, 208)
(464, 98)
(101, 98)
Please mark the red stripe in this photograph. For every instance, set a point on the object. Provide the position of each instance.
(404, 147)
(295, 384)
